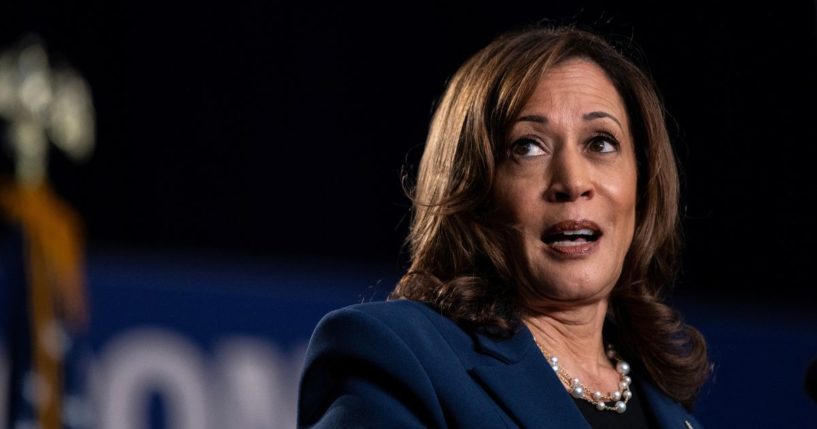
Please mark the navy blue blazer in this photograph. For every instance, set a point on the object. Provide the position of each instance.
(401, 364)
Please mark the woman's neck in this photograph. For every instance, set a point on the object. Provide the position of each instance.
(574, 335)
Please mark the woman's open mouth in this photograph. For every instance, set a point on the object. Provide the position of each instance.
(572, 237)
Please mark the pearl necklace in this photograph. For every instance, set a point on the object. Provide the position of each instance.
(600, 400)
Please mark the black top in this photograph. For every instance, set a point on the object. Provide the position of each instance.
(637, 416)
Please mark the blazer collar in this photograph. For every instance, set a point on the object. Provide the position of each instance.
(509, 349)
(523, 384)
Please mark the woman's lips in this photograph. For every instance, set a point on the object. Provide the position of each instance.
(572, 237)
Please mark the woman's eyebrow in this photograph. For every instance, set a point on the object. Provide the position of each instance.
(598, 115)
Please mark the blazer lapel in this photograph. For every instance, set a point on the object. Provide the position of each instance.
(524, 385)
(668, 413)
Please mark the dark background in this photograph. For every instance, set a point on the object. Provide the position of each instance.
(262, 129)
(247, 175)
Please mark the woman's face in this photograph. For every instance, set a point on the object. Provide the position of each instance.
(569, 182)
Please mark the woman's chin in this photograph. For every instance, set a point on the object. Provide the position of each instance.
(569, 294)
(577, 298)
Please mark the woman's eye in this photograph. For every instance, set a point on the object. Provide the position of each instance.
(527, 148)
(603, 144)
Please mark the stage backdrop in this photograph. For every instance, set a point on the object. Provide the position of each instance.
(201, 341)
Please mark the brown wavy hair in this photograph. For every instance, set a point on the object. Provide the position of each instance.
(468, 264)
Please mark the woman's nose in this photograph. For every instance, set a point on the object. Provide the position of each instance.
(570, 178)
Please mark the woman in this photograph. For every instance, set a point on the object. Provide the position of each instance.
(545, 228)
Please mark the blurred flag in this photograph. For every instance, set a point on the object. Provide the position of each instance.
(42, 295)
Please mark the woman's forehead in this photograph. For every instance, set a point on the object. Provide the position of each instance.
(576, 87)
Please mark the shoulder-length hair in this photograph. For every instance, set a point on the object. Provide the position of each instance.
(468, 265)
